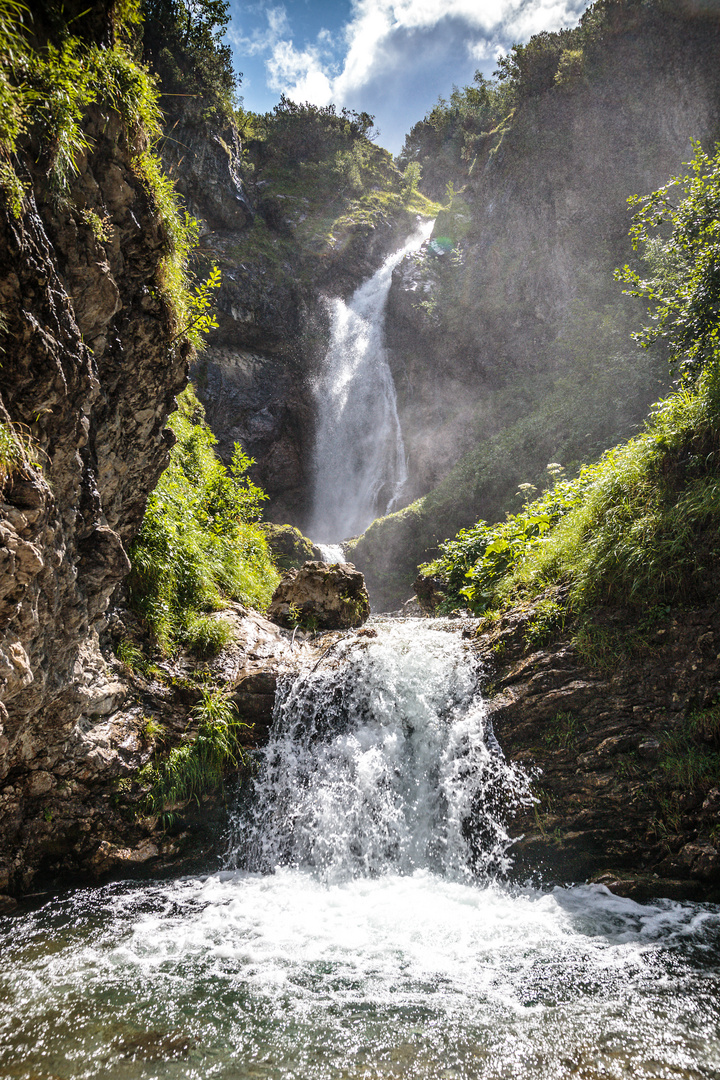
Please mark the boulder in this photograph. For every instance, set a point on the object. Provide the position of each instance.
(290, 549)
(321, 597)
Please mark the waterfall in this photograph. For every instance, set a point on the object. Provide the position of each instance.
(359, 458)
(382, 759)
(380, 944)
(332, 553)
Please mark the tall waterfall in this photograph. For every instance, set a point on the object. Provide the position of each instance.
(382, 760)
(359, 459)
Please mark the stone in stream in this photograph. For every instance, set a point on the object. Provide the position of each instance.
(321, 597)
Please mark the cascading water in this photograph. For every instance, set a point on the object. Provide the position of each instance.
(332, 553)
(359, 458)
(382, 760)
(370, 941)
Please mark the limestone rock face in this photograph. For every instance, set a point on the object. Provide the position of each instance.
(321, 597)
(476, 334)
(87, 380)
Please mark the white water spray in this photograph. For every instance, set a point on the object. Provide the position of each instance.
(359, 459)
(372, 949)
(332, 553)
(382, 760)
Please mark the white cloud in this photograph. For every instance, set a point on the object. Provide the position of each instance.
(380, 32)
(300, 74)
(261, 41)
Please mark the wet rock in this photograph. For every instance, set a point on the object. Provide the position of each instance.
(321, 597)
(429, 592)
(600, 737)
(110, 858)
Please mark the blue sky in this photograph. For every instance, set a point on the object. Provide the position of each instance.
(392, 58)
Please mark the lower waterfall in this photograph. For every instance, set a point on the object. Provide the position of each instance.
(362, 929)
(382, 760)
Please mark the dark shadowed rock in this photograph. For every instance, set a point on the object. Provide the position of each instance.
(321, 597)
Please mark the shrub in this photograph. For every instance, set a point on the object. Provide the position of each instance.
(199, 543)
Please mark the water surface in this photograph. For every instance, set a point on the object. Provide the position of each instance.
(364, 931)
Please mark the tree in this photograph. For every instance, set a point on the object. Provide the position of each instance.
(183, 42)
(678, 230)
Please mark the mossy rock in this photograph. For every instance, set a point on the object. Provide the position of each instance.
(290, 549)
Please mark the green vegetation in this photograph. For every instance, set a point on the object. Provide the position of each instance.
(470, 124)
(636, 527)
(46, 93)
(183, 43)
(199, 543)
(131, 656)
(684, 286)
(152, 729)
(443, 145)
(640, 526)
(17, 452)
(688, 766)
(563, 731)
(325, 185)
(289, 547)
(198, 767)
(591, 391)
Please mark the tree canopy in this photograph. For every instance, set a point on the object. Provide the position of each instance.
(678, 230)
(183, 43)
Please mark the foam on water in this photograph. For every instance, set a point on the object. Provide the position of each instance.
(372, 940)
(332, 553)
(246, 975)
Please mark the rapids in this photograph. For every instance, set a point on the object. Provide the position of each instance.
(362, 926)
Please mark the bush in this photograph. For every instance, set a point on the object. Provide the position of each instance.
(199, 543)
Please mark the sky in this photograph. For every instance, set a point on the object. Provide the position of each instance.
(391, 58)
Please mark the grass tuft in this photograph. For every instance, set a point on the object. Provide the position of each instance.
(199, 767)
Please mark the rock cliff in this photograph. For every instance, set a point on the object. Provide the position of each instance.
(620, 726)
(510, 342)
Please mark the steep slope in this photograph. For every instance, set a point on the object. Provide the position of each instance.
(510, 341)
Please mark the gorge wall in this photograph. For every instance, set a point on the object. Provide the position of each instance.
(509, 340)
(306, 212)
(91, 363)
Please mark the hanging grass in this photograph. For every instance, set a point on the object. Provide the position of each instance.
(199, 767)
